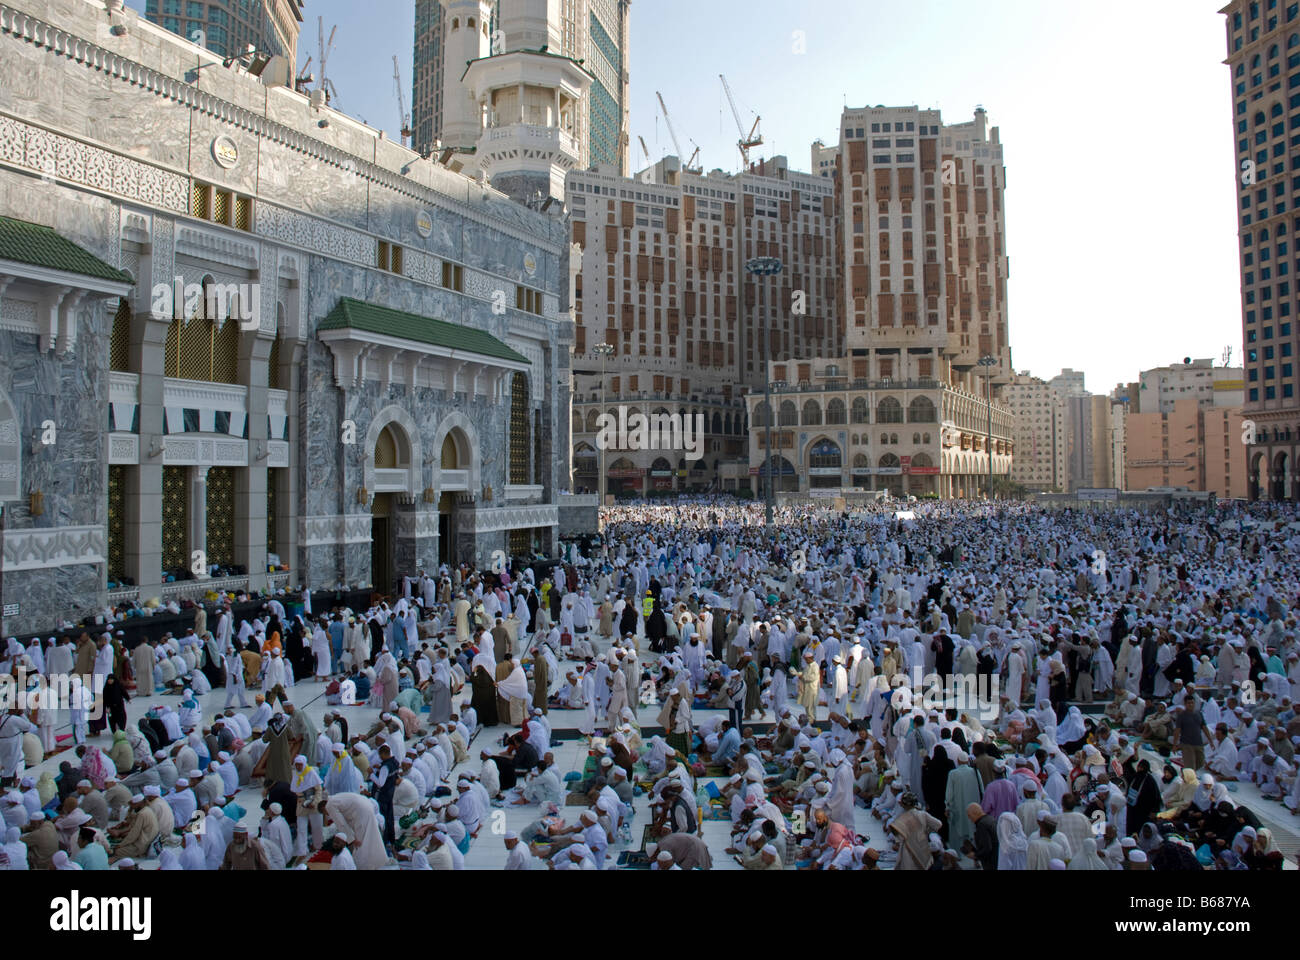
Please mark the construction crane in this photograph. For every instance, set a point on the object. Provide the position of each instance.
(690, 166)
(747, 141)
(673, 133)
(326, 85)
(647, 177)
(405, 118)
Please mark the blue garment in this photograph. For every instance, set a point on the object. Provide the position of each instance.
(92, 857)
(728, 746)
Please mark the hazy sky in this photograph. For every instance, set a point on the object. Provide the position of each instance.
(1116, 119)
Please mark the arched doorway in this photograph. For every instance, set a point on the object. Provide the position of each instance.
(586, 467)
(785, 476)
(890, 474)
(1281, 476)
(1256, 478)
(449, 459)
(381, 542)
(825, 462)
(391, 470)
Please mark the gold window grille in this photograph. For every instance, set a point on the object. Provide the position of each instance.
(221, 516)
(175, 518)
(519, 429)
(273, 376)
(116, 522)
(119, 347)
(221, 207)
(200, 200)
(243, 214)
(195, 359)
(519, 542)
(172, 350)
(225, 353)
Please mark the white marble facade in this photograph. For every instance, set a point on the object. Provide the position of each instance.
(323, 196)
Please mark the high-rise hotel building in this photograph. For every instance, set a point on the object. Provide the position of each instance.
(227, 27)
(905, 406)
(663, 283)
(1264, 62)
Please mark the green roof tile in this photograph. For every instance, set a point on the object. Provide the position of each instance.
(356, 315)
(40, 246)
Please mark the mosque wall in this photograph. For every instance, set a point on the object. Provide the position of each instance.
(157, 158)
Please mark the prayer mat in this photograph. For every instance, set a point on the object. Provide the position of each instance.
(577, 800)
(712, 812)
(634, 860)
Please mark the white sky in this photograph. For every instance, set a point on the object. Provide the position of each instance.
(1116, 117)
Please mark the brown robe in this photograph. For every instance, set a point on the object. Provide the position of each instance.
(143, 832)
(503, 705)
(541, 680)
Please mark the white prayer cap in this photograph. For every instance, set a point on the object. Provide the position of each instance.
(275, 809)
(337, 748)
(1137, 856)
(153, 790)
(125, 862)
(196, 774)
(223, 756)
(664, 857)
(343, 836)
(137, 798)
(84, 783)
(160, 754)
(511, 835)
(300, 761)
(1128, 843)
(182, 783)
(769, 850)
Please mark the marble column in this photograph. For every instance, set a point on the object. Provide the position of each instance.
(251, 483)
(199, 518)
(143, 496)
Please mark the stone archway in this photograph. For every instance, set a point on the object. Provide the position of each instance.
(401, 428)
(465, 442)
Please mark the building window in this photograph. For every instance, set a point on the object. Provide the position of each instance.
(175, 519)
(390, 257)
(519, 429)
(528, 300)
(453, 276)
(221, 516)
(116, 523)
(119, 350)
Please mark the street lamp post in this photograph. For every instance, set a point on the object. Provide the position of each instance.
(601, 350)
(988, 362)
(766, 267)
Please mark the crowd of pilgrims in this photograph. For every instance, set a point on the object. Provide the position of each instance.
(790, 673)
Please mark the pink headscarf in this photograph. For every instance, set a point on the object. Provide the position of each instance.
(92, 767)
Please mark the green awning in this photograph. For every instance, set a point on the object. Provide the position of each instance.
(349, 314)
(40, 246)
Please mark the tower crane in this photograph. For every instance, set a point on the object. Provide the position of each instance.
(754, 138)
(405, 118)
(673, 133)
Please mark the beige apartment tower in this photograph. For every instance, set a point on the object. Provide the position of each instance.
(1263, 40)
